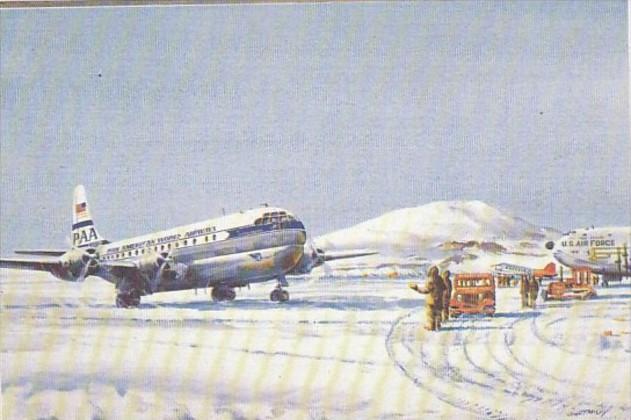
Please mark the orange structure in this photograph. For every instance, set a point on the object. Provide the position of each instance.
(579, 286)
(473, 293)
(548, 271)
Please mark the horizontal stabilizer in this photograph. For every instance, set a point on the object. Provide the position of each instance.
(28, 264)
(45, 252)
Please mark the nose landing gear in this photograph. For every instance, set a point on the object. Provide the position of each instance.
(279, 294)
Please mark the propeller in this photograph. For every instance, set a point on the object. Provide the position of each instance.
(80, 263)
(157, 267)
(164, 261)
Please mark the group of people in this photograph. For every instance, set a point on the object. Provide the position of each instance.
(438, 288)
(528, 289)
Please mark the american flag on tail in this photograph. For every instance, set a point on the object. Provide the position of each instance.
(81, 209)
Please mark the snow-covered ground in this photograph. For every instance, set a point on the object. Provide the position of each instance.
(338, 349)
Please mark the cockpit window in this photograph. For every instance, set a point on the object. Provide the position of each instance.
(278, 218)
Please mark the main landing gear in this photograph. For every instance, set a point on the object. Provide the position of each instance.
(129, 299)
(223, 293)
(279, 294)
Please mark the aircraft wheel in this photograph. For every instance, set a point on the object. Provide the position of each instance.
(279, 295)
(127, 300)
(275, 295)
(220, 294)
(230, 294)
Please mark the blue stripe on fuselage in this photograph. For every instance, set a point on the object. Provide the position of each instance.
(247, 230)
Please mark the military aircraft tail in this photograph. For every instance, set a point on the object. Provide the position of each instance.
(84, 232)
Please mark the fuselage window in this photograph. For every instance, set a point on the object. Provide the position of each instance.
(177, 244)
(136, 252)
(185, 242)
(161, 247)
(194, 241)
(214, 237)
(155, 249)
(206, 238)
(129, 254)
(142, 251)
(169, 246)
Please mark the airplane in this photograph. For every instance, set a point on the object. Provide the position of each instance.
(604, 250)
(506, 269)
(231, 251)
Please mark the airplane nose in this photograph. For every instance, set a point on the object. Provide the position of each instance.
(550, 245)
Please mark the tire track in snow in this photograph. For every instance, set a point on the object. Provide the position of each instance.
(573, 404)
(542, 337)
(513, 389)
(524, 387)
(399, 350)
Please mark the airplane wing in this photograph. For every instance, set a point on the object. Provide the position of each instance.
(315, 257)
(330, 256)
(110, 271)
(120, 269)
(30, 264)
(43, 252)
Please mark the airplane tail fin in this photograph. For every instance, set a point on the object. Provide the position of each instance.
(549, 270)
(84, 232)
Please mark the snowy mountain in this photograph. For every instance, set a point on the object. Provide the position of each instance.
(445, 231)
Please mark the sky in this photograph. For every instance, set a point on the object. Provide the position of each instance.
(338, 112)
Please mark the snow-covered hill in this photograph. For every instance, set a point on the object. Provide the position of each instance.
(456, 232)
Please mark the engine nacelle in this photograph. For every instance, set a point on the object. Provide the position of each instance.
(157, 268)
(312, 257)
(77, 264)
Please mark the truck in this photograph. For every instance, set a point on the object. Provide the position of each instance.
(473, 293)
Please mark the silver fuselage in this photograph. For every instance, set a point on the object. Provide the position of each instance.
(233, 250)
(604, 250)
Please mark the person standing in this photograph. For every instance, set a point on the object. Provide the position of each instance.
(433, 303)
(533, 291)
(446, 294)
(523, 291)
